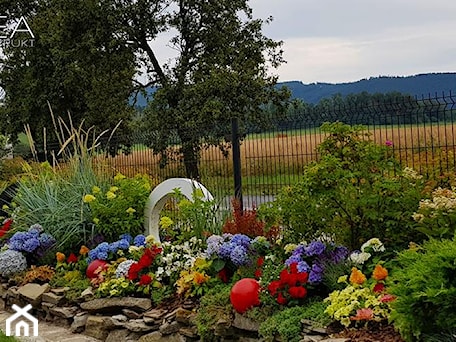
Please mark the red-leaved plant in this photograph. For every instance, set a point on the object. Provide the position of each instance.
(246, 222)
(290, 286)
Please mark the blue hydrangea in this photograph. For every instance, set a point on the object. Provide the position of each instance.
(303, 267)
(127, 237)
(213, 245)
(102, 256)
(31, 245)
(315, 248)
(139, 241)
(103, 247)
(124, 244)
(114, 247)
(225, 250)
(239, 255)
(339, 254)
(46, 240)
(293, 259)
(241, 240)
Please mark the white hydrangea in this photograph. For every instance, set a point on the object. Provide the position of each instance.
(375, 244)
(359, 258)
(12, 262)
(123, 268)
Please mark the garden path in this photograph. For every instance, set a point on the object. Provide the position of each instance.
(49, 332)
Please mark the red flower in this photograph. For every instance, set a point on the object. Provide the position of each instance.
(281, 299)
(258, 274)
(6, 226)
(294, 268)
(379, 287)
(297, 292)
(223, 275)
(72, 258)
(274, 286)
(145, 280)
(363, 315)
(302, 277)
(134, 270)
(260, 261)
(284, 276)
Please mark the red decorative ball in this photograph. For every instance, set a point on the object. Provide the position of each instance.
(245, 294)
(93, 266)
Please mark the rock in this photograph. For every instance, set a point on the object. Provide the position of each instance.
(117, 335)
(183, 316)
(138, 325)
(98, 327)
(156, 314)
(64, 312)
(87, 294)
(120, 318)
(132, 314)
(47, 306)
(117, 304)
(79, 322)
(33, 292)
(223, 328)
(245, 323)
(50, 297)
(2, 304)
(191, 332)
(169, 328)
(171, 315)
(157, 337)
(336, 340)
(60, 291)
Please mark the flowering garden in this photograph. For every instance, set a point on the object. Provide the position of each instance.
(359, 242)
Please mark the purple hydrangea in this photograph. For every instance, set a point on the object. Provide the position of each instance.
(31, 244)
(32, 241)
(303, 267)
(339, 254)
(241, 240)
(225, 250)
(213, 245)
(316, 273)
(235, 248)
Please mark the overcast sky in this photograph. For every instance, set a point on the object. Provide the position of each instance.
(348, 40)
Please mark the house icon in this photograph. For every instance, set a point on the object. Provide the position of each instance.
(21, 325)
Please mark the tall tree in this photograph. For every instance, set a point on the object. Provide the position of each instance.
(220, 73)
(79, 64)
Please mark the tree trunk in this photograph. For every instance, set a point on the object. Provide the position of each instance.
(190, 154)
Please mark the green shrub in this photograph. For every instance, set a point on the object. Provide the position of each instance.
(286, 324)
(356, 191)
(118, 208)
(215, 305)
(425, 286)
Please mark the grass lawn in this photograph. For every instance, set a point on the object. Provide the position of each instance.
(4, 338)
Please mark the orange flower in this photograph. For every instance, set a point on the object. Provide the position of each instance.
(380, 273)
(83, 250)
(60, 257)
(357, 277)
(199, 278)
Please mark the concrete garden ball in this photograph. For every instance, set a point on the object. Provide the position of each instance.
(245, 294)
(93, 266)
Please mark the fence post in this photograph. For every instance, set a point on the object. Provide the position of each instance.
(237, 161)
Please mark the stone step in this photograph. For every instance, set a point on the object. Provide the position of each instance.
(48, 332)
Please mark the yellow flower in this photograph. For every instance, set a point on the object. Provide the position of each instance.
(95, 220)
(110, 195)
(130, 210)
(113, 188)
(357, 277)
(96, 190)
(150, 239)
(119, 177)
(88, 198)
(165, 222)
(60, 257)
(84, 250)
(380, 272)
(4, 207)
(342, 279)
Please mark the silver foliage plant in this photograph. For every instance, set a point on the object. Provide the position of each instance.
(12, 262)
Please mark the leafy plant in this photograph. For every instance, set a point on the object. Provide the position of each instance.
(286, 324)
(425, 286)
(40, 274)
(119, 207)
(355, 191)
(214, 306)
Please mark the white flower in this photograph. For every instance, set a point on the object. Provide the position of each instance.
(359, 257)
(375, 244)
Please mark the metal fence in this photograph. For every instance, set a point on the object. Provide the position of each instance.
(274, 154)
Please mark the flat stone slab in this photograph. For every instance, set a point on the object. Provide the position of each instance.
(116, 304)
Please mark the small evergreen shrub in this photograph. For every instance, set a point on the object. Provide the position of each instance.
(425, 286)
(356, 191)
